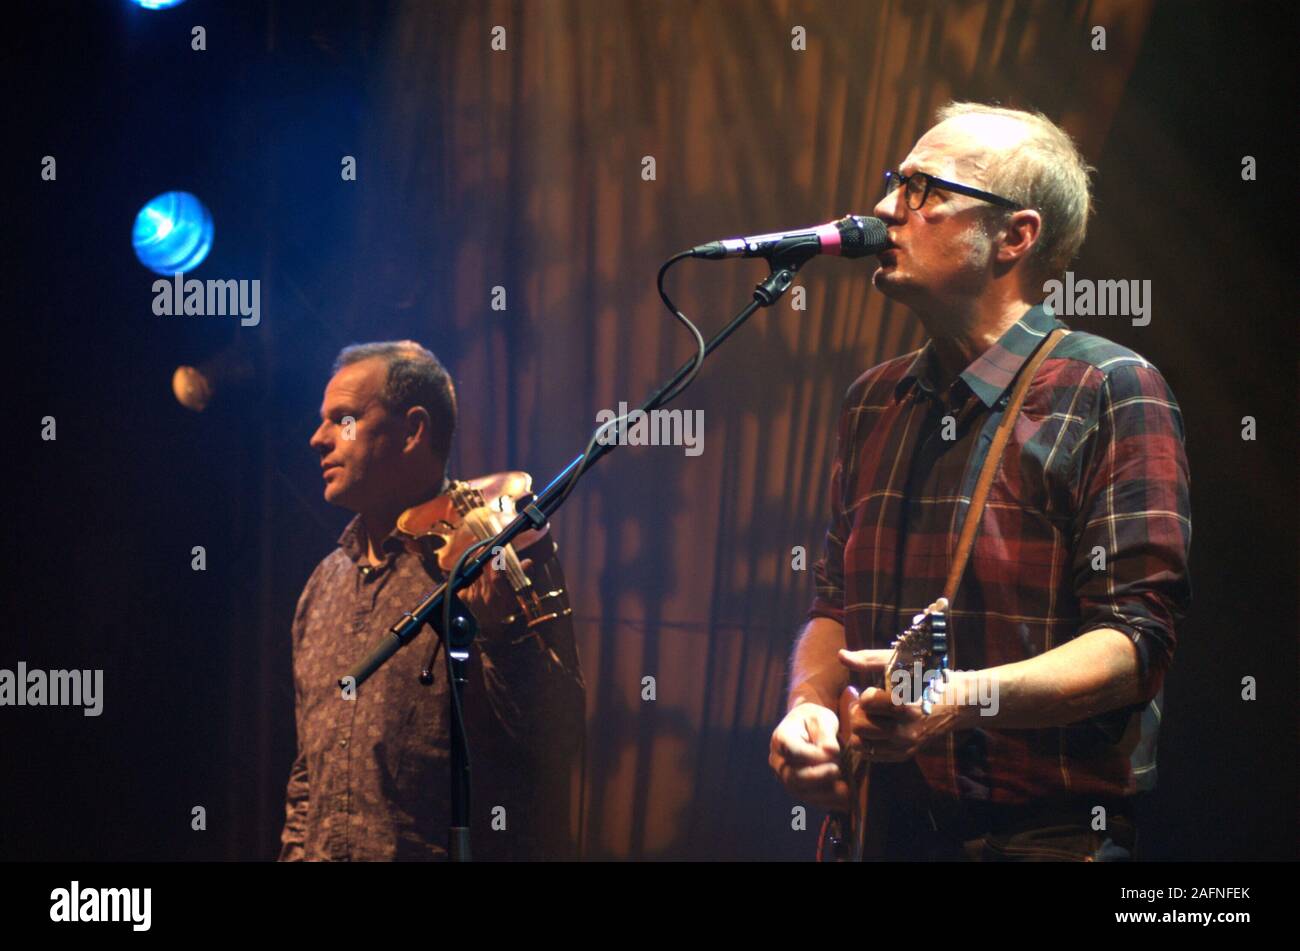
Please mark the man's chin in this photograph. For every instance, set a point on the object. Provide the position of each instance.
(888, 281)
(337, 496)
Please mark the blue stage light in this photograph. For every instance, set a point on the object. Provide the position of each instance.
(157, 4)
(173, 232)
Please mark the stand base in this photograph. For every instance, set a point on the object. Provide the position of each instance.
(458, 846)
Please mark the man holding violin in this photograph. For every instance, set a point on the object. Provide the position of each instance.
(371, 776)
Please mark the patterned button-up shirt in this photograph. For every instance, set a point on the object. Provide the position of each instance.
(371, 778)
(1087, 526)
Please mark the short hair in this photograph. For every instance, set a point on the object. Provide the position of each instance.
(1045, 172)
(415, 378)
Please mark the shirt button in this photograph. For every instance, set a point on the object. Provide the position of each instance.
(343, 742)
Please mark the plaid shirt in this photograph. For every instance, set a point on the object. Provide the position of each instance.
(1095, 468)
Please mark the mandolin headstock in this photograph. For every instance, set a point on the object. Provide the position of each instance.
(925, 642)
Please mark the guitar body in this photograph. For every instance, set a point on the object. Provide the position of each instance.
(849, 836)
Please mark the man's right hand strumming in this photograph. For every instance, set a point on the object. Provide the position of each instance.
(805, 755)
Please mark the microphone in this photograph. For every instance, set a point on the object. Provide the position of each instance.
(853, 236)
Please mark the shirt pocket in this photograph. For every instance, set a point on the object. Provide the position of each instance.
(1037, 472)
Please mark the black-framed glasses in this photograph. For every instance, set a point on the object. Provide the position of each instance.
(916, 189)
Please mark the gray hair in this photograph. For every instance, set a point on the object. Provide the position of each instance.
(415, 378)
(1045, 172)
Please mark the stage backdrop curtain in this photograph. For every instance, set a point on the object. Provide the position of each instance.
(522, 176)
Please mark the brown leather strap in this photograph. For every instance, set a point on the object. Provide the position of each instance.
(967, 540)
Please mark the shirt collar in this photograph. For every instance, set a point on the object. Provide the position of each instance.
(353, 542)
(991, 373)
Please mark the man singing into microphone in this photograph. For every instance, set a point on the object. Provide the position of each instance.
(371, 778)
(1064, 622)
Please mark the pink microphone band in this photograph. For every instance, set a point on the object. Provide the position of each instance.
(829, 236)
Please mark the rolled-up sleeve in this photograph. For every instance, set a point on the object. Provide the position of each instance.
(1132, 531)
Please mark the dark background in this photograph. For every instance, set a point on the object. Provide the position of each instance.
(522, 169)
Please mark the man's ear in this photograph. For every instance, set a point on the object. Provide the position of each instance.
(1019, 234)
(419, 428)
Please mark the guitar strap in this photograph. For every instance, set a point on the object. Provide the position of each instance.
(966, 542)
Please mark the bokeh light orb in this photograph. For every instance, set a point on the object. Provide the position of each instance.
(158, 4)
(173, 232)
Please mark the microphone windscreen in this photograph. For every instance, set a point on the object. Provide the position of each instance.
(863, 237)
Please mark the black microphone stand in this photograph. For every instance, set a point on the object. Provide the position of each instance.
(785, 261)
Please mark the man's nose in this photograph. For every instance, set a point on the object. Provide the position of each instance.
(890, 208)
(317, 440)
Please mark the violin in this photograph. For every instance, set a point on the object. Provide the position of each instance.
(469, 512)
